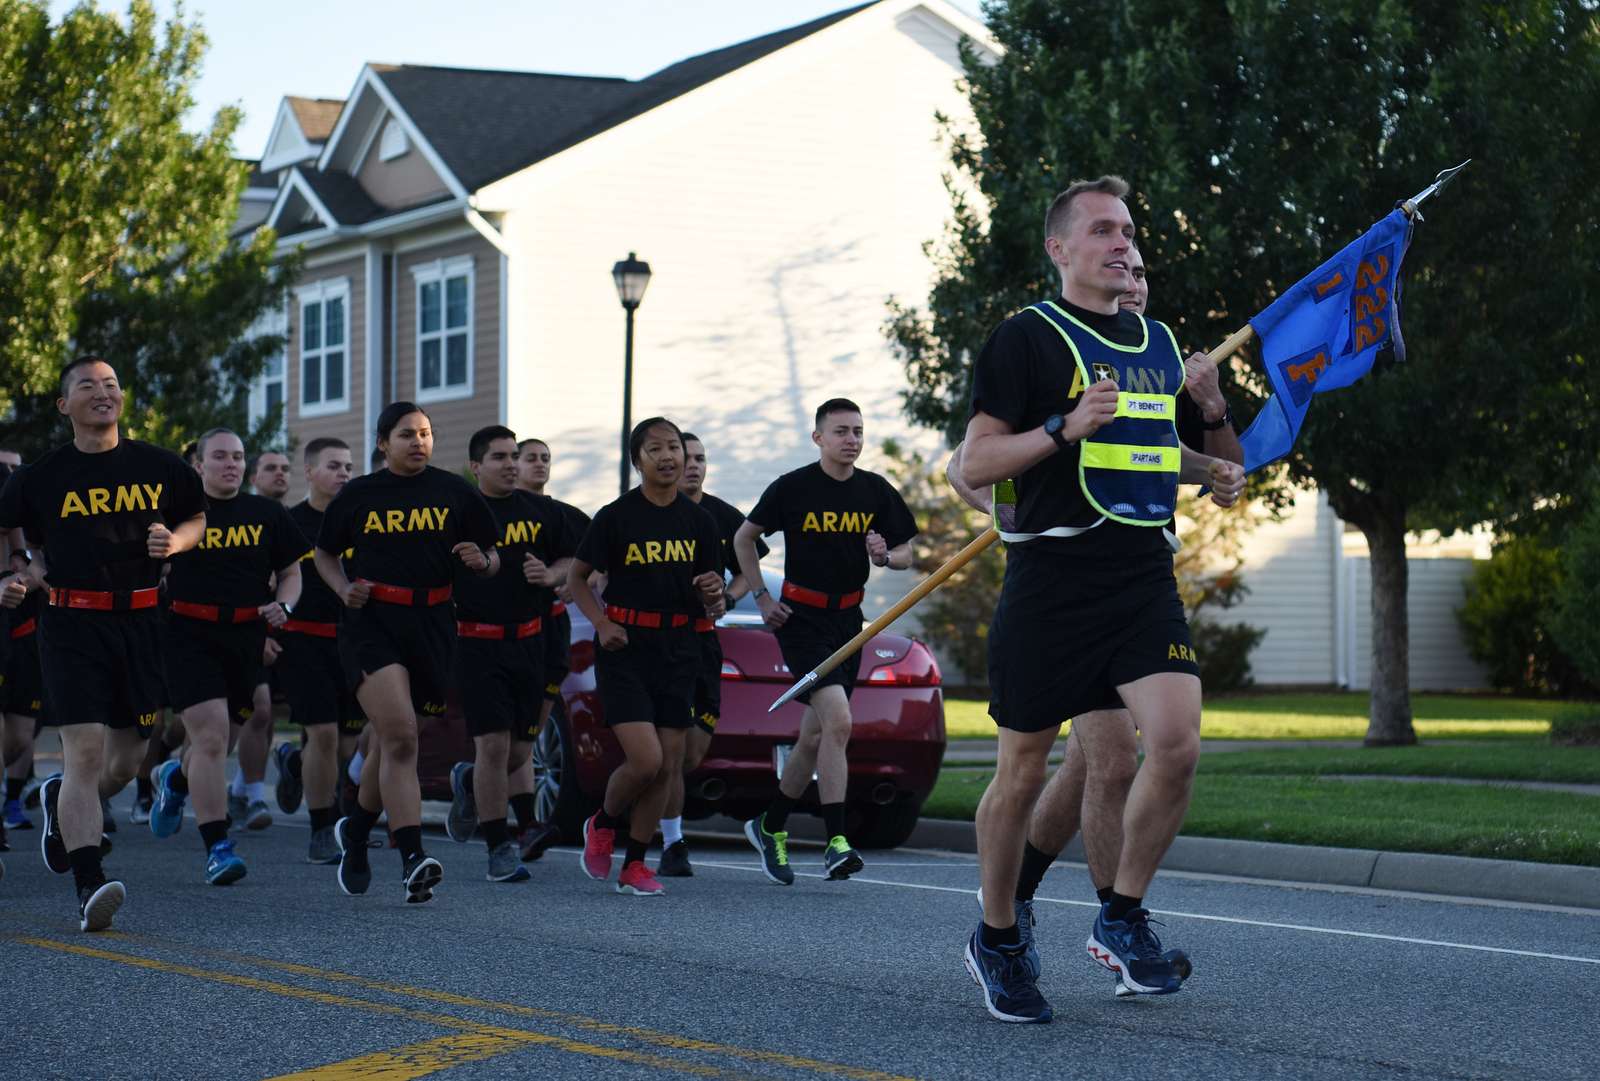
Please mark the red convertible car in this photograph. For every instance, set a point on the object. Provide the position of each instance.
(896, 745)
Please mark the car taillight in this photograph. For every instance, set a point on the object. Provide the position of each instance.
(916, 669)
(731, 670)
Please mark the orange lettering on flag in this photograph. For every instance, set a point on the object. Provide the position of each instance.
(1371, 274)
(1310, 370)
(1324, 288)
(1370, 304)
(1369, 333)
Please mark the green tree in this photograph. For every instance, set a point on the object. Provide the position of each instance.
(118, 223)
(1260, 137)
(1575, 627)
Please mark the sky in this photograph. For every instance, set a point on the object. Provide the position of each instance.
(315, 48)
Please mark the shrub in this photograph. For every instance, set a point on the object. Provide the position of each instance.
(1507, 617)
(1577, 619)
(1224, 651)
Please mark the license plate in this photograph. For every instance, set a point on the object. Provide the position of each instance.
(780, 758)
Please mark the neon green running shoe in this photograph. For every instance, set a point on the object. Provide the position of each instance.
(840, 860)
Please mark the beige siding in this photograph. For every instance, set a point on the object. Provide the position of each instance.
(345, 424)
(401, 182)
(454, 421)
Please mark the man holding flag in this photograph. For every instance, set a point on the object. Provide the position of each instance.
(1076, 399)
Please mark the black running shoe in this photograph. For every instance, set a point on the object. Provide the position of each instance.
(840, 860)
(355, 871)
(97, 904)
(536, 838)
(289, 789)
(421, 874)
(675, 862)
(1010, 993)
(51, 845)
(462, 821)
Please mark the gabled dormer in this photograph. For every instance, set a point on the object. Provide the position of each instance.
(379, 145)
(300, 131)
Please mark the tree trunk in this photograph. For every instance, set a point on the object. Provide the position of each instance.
(1390, 723)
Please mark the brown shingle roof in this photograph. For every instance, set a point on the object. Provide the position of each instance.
(316, 116)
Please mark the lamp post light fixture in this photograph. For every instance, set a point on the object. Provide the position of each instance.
(632, 275)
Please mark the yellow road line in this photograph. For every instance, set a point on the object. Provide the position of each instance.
(577, 1020)
(511, 1035)
(412, 1061)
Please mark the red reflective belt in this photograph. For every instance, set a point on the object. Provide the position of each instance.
(103, 600)
(25, 628)
(411, 598)
(558, 609)
(306, 626)
(813, 598)
(704, 625)
(633, 617)
(215, 613)
(499, 630)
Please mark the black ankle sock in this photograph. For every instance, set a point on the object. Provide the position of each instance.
(995, 939)
(1104, 893)
(636, 850)
(212, 832)
(1034, 864)
(178, 782)
(14, 787)
(86, 871)
(609, 821)
(777, 815)
(361, 822)
(1119, 905)
(833, 819)
(143, 789)
(322, 818)
(522, 807)
(408, 839)
(495, 832)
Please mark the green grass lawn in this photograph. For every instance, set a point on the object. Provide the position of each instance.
(1520, 760)
(1324, 716)
(1548, 827)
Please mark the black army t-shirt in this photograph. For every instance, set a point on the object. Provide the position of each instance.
(728, 520)
(318, 602)
(403, 529)
(651, 555)
(92, 513)
(246, 539)
(825, 522)
(528, 524)
(1026, 373)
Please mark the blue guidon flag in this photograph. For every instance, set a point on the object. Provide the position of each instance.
(1323, 333)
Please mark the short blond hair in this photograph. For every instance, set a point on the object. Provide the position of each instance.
(1058, 219)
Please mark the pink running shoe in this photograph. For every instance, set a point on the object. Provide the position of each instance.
(638, 879)
(598, 844)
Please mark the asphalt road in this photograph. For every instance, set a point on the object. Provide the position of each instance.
(730, 976)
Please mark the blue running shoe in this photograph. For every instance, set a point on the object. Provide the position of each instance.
(1009, 992)
(1180, 963)
(1025, 921)
(166, 813)
(223, 868)
(1131, 949)
(462, 821)
(15, 817)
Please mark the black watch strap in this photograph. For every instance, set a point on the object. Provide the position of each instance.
(1220, 422)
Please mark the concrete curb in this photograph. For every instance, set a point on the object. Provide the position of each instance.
(1408, 872)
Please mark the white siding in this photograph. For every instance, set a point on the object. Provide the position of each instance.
(778, 207)
(1439, 658)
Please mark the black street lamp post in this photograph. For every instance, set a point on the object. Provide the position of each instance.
(632, 275)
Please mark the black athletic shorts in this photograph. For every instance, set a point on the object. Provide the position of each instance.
(422, 639)
(708, 682)
(557, 639)
(22, 691)
(272, 678)
(501, 682)
(1062, 642)
(208, 660)
(810, 635)
(650, 679)
(102, 667)
(313, 681)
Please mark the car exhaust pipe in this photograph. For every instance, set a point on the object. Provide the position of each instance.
(712, 789)
(883, 793)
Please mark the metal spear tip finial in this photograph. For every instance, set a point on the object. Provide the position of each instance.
(788, 696)
(1438, 185)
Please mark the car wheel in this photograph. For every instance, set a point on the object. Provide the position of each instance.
(887, 826)
(556, 797)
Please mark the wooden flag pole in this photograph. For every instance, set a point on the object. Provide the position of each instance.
(1232, 344)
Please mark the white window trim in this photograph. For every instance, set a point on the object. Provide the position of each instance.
(321, 292)
(437, 271)
(392, 140)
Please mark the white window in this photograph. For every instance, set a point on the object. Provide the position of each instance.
(392, 143)
(444, 328)
(325, 347)
(268, 389)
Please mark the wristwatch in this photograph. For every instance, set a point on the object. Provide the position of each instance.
(757, 594)
(1220, 422)
(1052, 427)
(288, 609)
